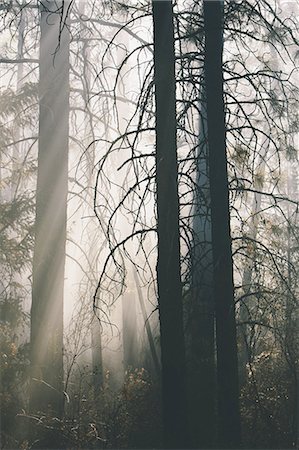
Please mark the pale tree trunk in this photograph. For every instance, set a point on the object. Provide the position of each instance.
(16, 164)
(245, 317)
(17, 157)
(128, 299)
(129, 332)
(168, 264)
(92, 228)
(51, 214)
(291, 9)
(245, 303)
(228, 424)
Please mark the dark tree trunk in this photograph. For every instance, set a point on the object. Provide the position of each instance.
(202, 321)
(227, 368)
(51, 215)
(168, 264)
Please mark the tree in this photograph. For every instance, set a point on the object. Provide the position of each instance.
(46, 337)
(202, 394)
(168, 264)
(227, 367)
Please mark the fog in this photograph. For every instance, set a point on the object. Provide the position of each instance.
(78, 200)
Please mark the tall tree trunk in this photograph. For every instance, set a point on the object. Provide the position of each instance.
(227, 368)
(12, 192)
(168, 264)
(91, 228)
(202, 359)
(51, 213)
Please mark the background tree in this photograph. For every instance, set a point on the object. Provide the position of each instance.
(46, 338)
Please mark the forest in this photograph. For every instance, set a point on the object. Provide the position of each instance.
(149, 286)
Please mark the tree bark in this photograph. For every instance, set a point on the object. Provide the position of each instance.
(51, 214)
(202, 371)
(227, 368)
(168, 263)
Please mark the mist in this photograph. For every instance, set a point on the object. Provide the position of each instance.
(149, 237)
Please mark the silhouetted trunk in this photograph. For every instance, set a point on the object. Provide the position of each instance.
(227, 368)
(168, 264)
(202, 315)
(51, 214)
